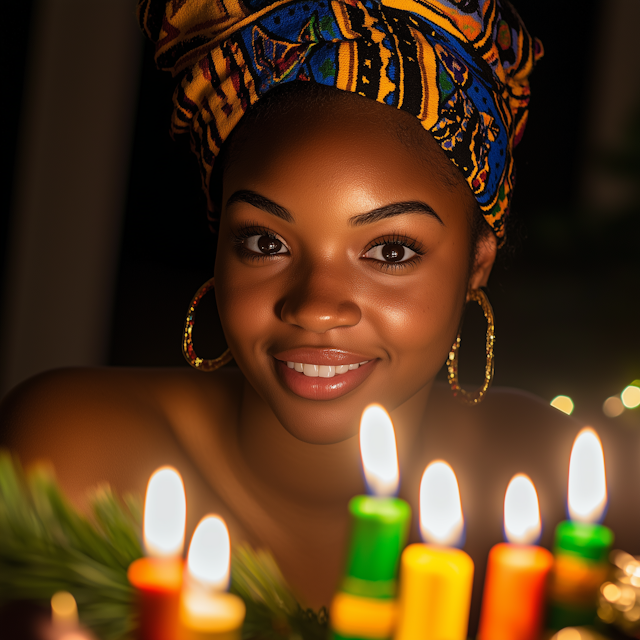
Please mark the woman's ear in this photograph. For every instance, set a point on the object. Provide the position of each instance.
(485, 257)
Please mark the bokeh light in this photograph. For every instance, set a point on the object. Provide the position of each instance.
(612, 407)
(631, 396)
(564, 404)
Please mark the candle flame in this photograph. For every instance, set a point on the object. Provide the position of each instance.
(587, 495)
(209, 557)
(378, 451)
(521, 511)
(441, 519)
(64, 611)
(165, 514)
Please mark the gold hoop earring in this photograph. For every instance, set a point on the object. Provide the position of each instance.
(474, 397)
(188, 351)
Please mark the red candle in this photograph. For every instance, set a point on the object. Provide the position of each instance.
(157, 578)
(513, 605)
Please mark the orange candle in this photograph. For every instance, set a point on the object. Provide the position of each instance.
(157, 578)
(513, 605)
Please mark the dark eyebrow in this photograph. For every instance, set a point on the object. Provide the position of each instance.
(395, 209)
(260, 202)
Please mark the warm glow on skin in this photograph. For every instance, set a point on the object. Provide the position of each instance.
(521, 511)
(379, 453)
(165, 514)
(209, 557)
(587, 479)
(326, 168)
(441, 519)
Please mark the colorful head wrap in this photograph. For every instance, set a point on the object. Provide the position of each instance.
(460, 66)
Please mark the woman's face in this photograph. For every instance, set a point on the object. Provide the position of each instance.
(344, 253)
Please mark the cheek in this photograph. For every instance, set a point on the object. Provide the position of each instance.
(244, 302)
(418, 318)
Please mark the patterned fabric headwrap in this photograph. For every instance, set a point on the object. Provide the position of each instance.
(460, 66)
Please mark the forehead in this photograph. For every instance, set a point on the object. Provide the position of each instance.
(344, 150)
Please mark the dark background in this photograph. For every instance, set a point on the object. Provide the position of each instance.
(565, 290)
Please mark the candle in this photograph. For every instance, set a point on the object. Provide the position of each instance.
(64, 620)
(516, 578)
(157, 578)
(207, 611)
(435, 578)
(365, 605)
(582, 545)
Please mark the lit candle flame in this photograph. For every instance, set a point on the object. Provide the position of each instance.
(379, 452)
(587, 495)
(165, 514)
(209, 555)
(521, 511)
(441, 519)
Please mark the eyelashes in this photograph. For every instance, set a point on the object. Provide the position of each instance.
(255, 242)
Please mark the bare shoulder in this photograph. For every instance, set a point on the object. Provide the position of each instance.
(108, 424)
(513, 431)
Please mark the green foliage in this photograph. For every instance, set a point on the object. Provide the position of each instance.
(47, 546)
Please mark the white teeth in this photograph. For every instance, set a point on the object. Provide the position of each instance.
(322, 370)
(311, 370)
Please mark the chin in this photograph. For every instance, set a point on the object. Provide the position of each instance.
(318, 424)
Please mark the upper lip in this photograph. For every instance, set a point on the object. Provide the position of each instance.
(322, 355)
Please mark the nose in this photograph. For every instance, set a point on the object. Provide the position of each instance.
(319, 300)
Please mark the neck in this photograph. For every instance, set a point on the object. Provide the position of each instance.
(313, 474)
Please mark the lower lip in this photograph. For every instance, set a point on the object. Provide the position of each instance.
(324, 388)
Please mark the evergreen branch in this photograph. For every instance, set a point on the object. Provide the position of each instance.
(46, 546)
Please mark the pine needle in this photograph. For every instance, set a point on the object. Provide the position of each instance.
(46, 546)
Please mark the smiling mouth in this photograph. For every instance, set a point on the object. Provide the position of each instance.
(323, 381)
(322, 370)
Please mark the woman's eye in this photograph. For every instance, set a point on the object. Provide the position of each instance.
(390, 252)
(266, 245)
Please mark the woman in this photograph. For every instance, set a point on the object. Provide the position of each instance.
(352, 231)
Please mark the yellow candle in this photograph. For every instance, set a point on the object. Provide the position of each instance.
(436, 579)
(207, 611)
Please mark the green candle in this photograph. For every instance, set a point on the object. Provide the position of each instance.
(379, 529)
(364, 607)
(582, 546)
(581, 565)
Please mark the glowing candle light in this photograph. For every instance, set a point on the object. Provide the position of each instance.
(365, 605)
(517, 571)
(581, 544)
(64, 620)
(436, 578)
(207, 611)
(157, 578)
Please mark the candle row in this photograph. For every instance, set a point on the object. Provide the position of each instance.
(178, 601)
(434, 593)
